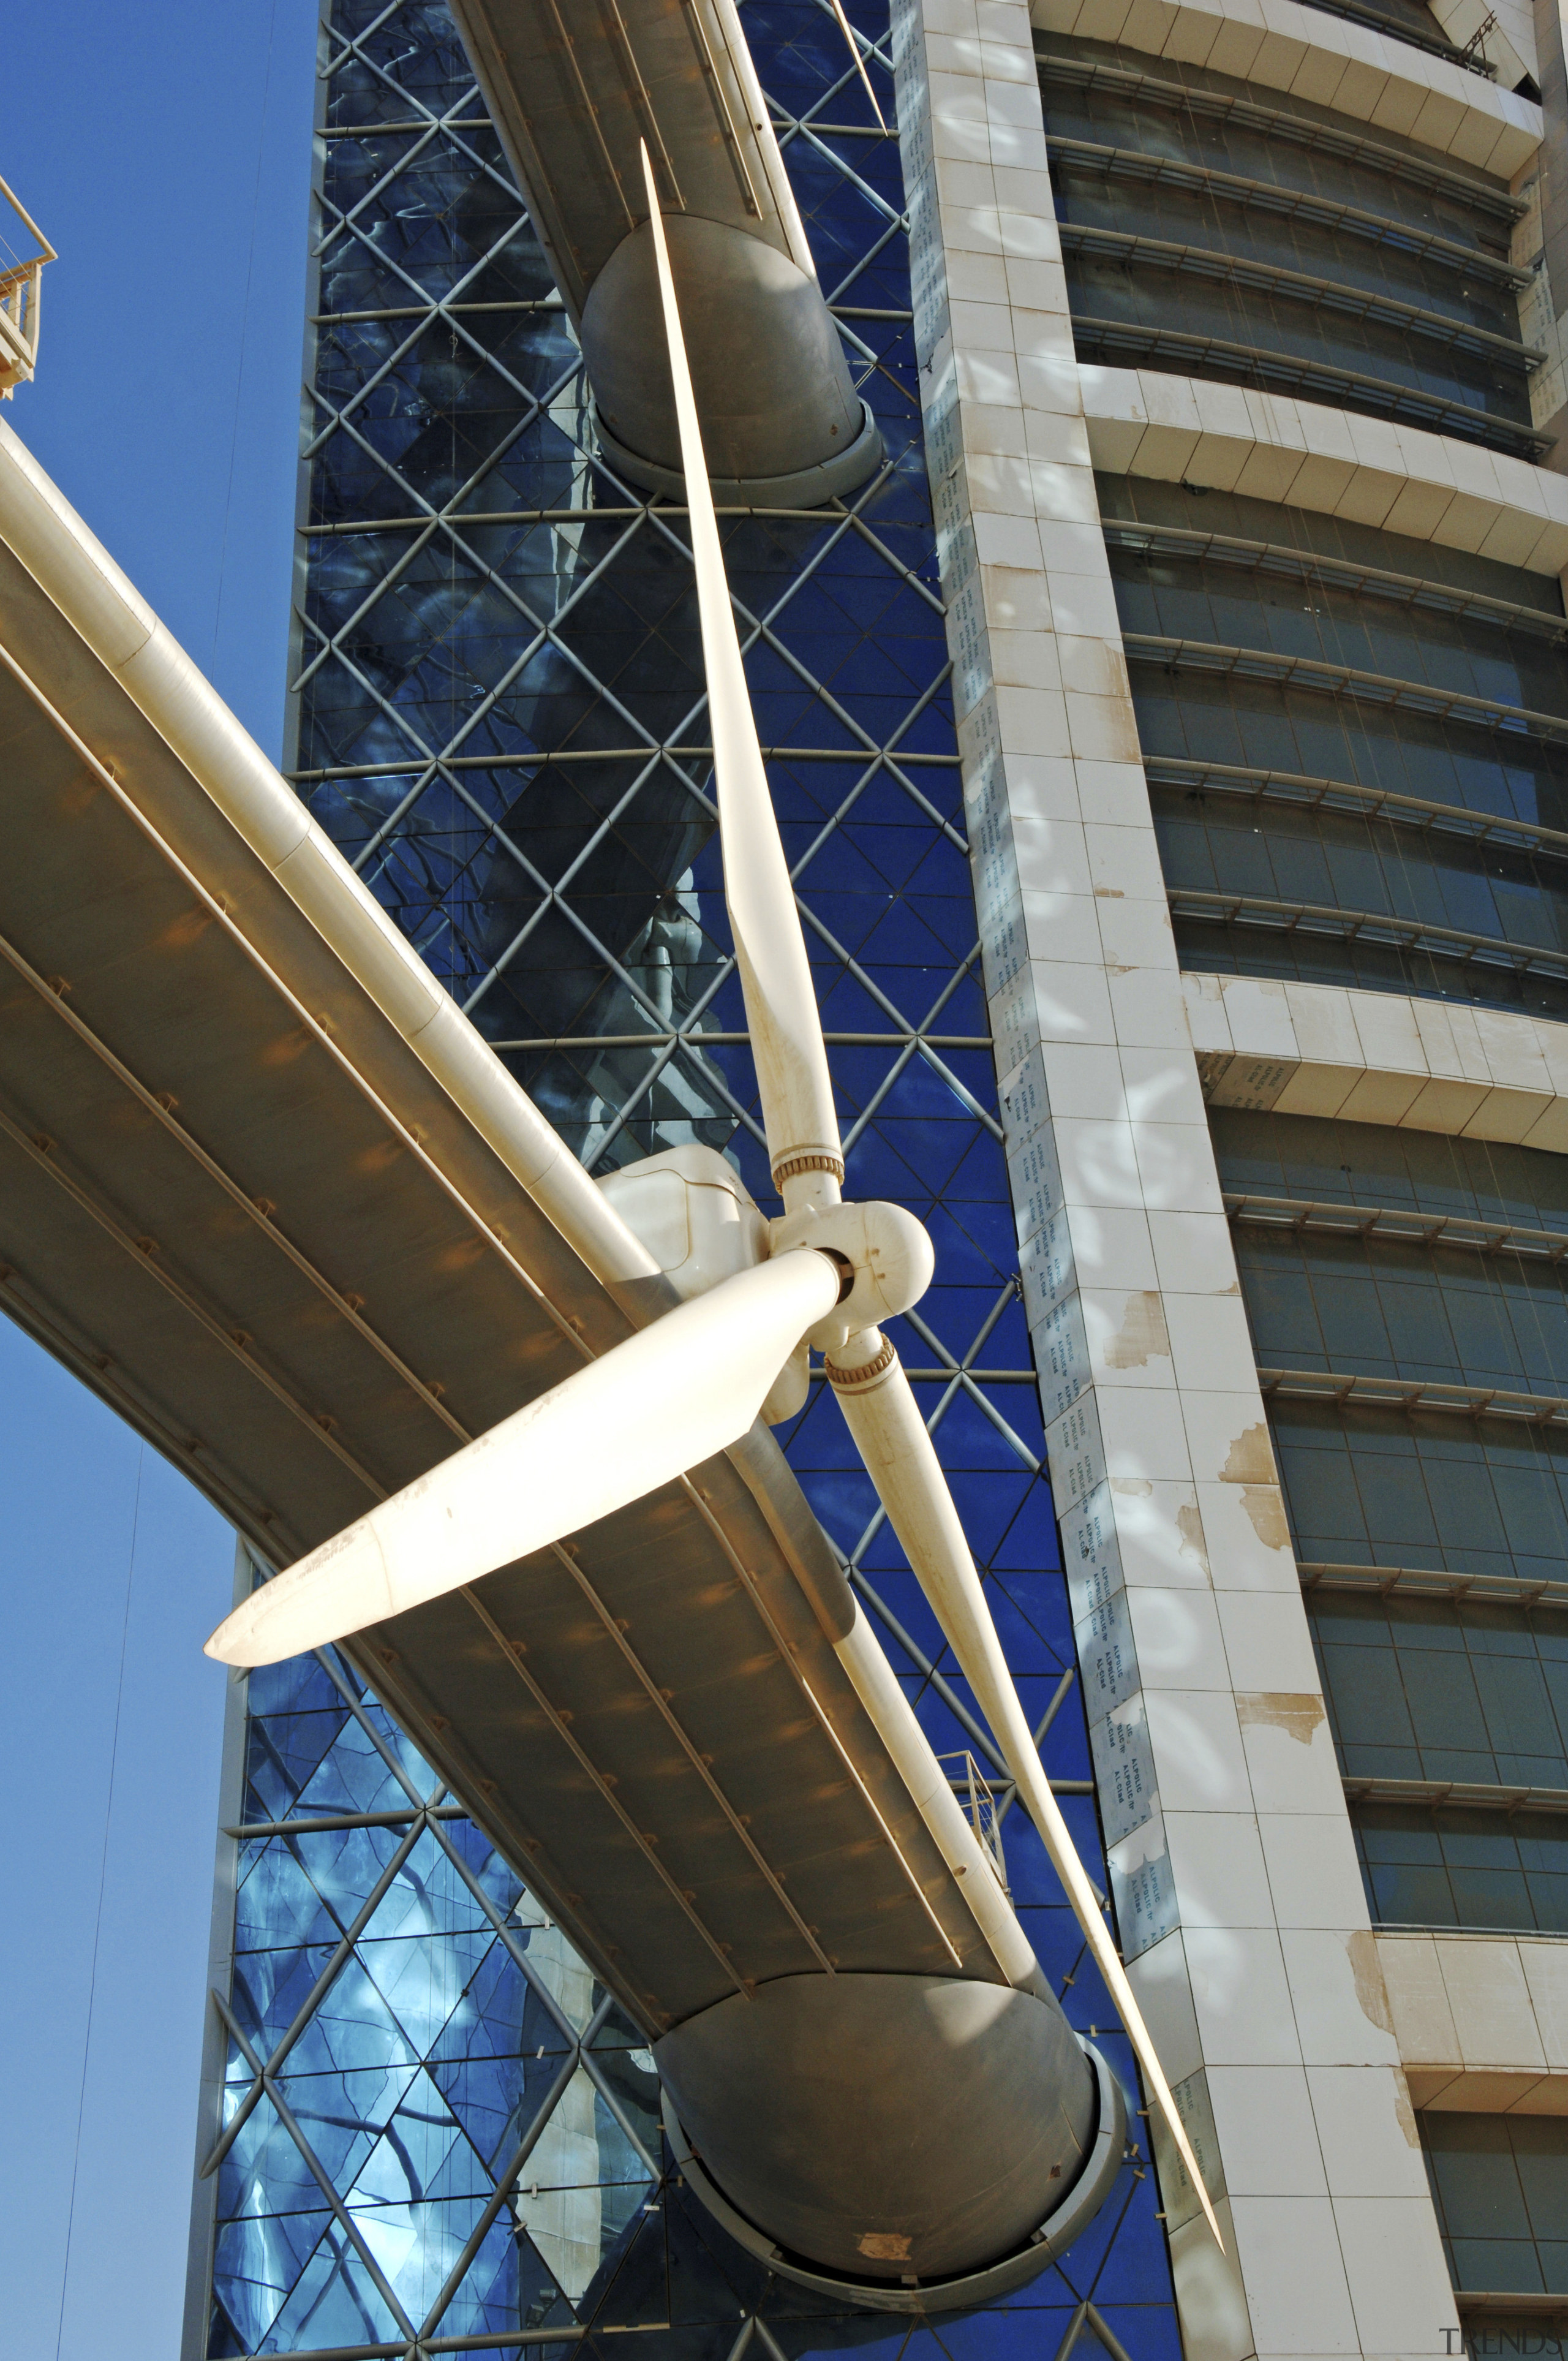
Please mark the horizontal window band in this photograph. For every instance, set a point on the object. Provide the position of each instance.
(1459, 1794)
(1297, 287)
(1325, 679)
(1341, 1393)
(419, 763)
(1325, 920)
(1396, 1225)
(1128, 343)
(1280, 560)
(1430, 1582)
(1276, 123)
(1141, 167)
(1344, 795)
(1397, 29)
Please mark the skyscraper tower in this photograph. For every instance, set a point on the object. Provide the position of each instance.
(1166, 741)
(497, 712)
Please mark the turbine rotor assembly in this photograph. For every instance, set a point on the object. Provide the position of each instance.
(914, 2142)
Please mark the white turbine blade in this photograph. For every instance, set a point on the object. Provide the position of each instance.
(663, 1402)
(776, 977)
(847, 31)
(891, 1437)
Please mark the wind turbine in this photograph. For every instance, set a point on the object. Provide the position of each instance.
(828, 1275)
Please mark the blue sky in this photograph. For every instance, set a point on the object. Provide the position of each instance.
(165, 150)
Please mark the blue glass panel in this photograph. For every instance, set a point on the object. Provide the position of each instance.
(499, 719)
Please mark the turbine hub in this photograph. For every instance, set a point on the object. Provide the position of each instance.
(887, 1256)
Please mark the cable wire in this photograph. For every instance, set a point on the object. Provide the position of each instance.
(98, 1913)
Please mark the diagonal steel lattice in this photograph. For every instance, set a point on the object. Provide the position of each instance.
(438, 2136)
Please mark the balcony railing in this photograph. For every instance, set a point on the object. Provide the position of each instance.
(980, 1805)
(20, 283)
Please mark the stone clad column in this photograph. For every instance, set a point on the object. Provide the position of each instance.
(1237, 1895)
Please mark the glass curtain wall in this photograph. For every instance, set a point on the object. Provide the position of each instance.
(438, 2136)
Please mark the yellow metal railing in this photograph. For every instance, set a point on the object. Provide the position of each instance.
(20, 287)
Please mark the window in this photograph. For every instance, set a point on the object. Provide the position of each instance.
(1256, 884)
(1194, 208)
(1426, 1865)
(1421, 1688)
(1376, 1485)
(1315, 1158)
(1334, 718)
(1448, 1316)
(1096, 94)
(1500, 2186)
(1426, 1689)
(1385, 1486)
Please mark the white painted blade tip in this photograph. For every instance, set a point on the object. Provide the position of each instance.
(236, 1642)
(544, 1471)
(264, 1631)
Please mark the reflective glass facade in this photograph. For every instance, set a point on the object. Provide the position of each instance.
(1423, 1488)
(1340, 724)
(1444, 1865)
(1453, 1315)
(498, 715)
(1501, 2187)
(1422, 1689)
(1355, 745)
(1373, 1165)
(1243, 266)
(1366, 1481)
(1408, 20)
(1424, 1692)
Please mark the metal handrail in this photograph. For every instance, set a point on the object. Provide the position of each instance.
(969, 1783)
(21, 289)
(1432, 1582)
(1456, 1795)
(1395, 1225)
(1367, 1391)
